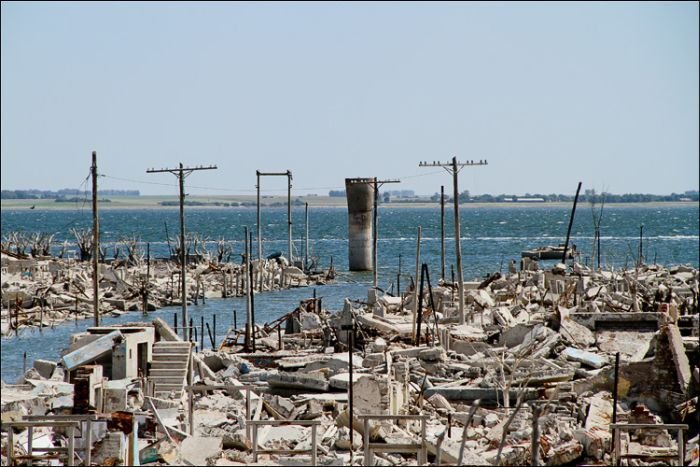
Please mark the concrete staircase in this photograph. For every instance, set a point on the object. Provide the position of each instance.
(169, 368)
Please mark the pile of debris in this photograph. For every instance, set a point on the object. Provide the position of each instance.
(548, 368)
(44, 291)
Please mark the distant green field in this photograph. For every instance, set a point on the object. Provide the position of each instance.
(123, 202)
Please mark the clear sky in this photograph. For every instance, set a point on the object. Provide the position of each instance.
(551, 94)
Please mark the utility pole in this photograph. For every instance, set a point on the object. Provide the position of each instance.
(287, 174)
(377, 184)
(454, 167)
(95, 242)
(181, 173)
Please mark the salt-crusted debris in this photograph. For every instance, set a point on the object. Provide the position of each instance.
(44, 291)
(534, 365)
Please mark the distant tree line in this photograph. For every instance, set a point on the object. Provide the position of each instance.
(588, 196)
(64, 193)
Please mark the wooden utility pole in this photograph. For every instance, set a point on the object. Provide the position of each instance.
(182, 172)
(454, 167)
(287, 174)
(96, 243)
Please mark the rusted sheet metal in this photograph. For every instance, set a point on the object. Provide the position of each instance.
(91, 351)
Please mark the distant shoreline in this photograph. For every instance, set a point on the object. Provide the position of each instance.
(152, 202)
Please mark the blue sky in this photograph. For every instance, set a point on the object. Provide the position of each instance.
(550, 94)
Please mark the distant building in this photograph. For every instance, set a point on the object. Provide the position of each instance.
(530, 200)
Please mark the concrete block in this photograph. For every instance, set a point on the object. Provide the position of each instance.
(45, 367)
(197, 449)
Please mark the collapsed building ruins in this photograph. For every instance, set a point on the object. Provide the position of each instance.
(552, 367)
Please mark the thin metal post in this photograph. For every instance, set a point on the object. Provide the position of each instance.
(442, 232)
(30, 439)
(95, 243)
(351, 343)
(259, 228)
(374, 234)
(640, 257)
(398, 279)
(248, 322)
(252, 297)
(289, 215)
(415, 288)
(306, 235)
(616, 432)
(190, 397)
(420, 305)
(214, 345)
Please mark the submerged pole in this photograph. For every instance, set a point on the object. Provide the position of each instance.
(571, 223)
(246, 279)
(306, 235)
(442, 232)
(415, 288)
(289, 216)
(375, 234)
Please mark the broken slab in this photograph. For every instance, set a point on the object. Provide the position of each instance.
(680, 359)
(91, 351)
(297, 381)
(574, 332)
(587, 358)
(341, 380)
(44, 367)
(473, 393)
(197, 449)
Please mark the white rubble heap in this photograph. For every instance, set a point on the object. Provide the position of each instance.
(534, 364)
(43, 292)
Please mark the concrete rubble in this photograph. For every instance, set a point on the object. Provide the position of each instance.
(43, 291)
(533, 365)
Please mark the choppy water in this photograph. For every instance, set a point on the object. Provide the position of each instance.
(491, 237)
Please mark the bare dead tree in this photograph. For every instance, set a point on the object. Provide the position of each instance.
(62, 251)
(83, 237)
(134, 253)
(40, 244)
(224, 250)
(199, 244)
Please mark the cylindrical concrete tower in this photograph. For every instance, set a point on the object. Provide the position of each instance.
(360, 195)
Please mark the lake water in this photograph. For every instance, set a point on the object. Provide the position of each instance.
(491, 237)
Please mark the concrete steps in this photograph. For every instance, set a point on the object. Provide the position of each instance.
(169, 368)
